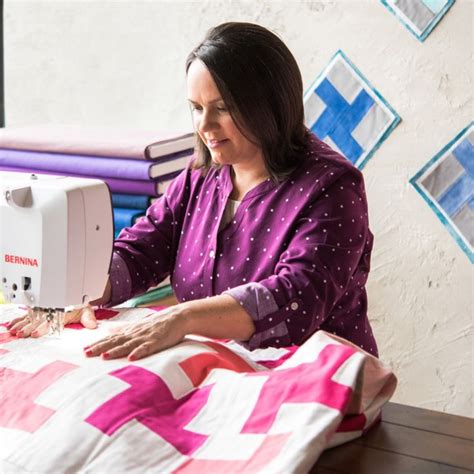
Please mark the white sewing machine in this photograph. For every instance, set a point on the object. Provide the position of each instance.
(56, 236)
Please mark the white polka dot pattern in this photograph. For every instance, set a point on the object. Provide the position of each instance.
(305, 242)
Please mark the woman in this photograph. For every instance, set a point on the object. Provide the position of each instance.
(265, 235)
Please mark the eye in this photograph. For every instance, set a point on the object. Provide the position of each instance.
(222, 108)
(195, 107)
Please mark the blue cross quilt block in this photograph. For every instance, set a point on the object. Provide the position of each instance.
(446, 182)
(419, 16)
(346, 112)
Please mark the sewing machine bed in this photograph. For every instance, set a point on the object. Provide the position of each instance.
(202, 406)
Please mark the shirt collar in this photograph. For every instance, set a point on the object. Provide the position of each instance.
(227, 186)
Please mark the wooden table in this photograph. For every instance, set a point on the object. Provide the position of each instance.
(408, 440)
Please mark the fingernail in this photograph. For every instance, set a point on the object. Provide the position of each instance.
(19, 334)
(86, 347)
(88, 352)
(105, 355)
(131, 358)
(35, 334)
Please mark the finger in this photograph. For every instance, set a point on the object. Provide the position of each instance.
(26, 326)
(27, 329)
(17, 327)
(122, 350)
(41, 329)
(88, 319)
(15, 321)
(103, 345)
(144, 350)
(73, 316)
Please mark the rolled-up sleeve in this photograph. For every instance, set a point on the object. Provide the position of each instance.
(314, 270)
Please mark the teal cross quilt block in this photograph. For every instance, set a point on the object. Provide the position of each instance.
(346, 112)
(419, 16)
(446, 182)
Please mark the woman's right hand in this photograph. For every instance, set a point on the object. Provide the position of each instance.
(28, 326)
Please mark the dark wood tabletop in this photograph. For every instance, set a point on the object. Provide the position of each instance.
(407, 440)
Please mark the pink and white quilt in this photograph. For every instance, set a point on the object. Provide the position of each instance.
(202, 406)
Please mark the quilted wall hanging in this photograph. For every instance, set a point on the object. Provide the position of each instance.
(446, 183)
(346, 112)
(419, 16)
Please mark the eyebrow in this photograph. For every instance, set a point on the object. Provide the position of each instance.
(210, 102)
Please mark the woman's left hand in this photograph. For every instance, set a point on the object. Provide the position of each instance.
(161, 331)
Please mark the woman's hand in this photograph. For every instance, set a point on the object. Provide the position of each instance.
(26, 326)
(159, 332)
(217, 317)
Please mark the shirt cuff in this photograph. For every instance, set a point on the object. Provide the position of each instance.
(120, 281)
(259, 302)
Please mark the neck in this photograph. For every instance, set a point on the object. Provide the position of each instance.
(245, 179)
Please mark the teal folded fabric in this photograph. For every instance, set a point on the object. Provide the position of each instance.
(150, 296)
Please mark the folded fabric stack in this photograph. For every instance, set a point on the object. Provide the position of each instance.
(136, 165)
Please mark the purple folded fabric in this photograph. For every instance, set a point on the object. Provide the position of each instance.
(100, 167)
(127, 186)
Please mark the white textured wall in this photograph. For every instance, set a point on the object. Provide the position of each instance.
(121, 64)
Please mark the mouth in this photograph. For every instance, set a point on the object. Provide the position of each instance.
(213, 144)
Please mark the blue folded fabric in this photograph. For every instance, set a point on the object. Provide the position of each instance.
(130, 201)
(125, 218)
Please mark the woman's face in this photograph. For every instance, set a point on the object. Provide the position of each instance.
(213, 122)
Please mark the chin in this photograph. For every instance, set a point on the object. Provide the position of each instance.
(216, 160)
(219, 159)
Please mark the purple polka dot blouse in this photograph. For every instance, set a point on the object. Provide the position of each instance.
(296, 255)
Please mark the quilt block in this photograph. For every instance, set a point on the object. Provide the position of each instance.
(201, 406)
(419, 16)
(446, 183)
(346, 112)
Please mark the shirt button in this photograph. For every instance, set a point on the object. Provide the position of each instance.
(212, 254)
(294, 306)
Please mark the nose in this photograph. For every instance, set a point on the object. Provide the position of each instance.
(207, 122)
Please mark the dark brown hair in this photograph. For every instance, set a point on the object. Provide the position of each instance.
(260, 82)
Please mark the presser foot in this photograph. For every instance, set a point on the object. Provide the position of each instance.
(55, 320)
(53, 317)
